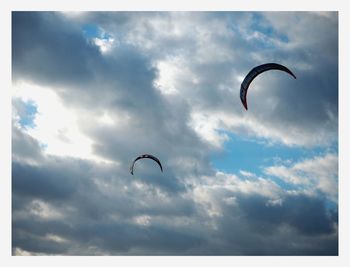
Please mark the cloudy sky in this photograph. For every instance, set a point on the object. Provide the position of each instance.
(92, 91)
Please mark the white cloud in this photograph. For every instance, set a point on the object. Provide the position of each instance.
(56, 125)
(319, 173)
(55, 238)
(214, 192)
(45, 210)
(105, 45)
(246, 173)
(21, 252)
(212, 126)
(207, 127)
(143, 220)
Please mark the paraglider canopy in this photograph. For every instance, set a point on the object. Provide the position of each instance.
(255, 72)
(145, 156)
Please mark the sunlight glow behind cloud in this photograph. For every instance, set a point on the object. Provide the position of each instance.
(55, 124)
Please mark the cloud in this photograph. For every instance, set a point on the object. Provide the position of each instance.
(167, 83)
(185, 43)
(95, 210)
(46, 52)
(258, 209)
(319, 173)
(25, 148)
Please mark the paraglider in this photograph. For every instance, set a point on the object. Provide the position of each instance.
(145, 156)
(255, 72)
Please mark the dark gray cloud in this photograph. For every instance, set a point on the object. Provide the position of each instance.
(49, 53)
(24, 147)
(108, 219)
(46, 182)
(65, 205)
(111, 220)
(308, 215)
(93, 210)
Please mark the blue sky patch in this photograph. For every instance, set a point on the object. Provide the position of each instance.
(253, 155)
(93, 31)
(260, 24)
(28, 115)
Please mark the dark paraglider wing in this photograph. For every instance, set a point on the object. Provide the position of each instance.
(145, 156)
(133, 163)
(255, 72)
(156, 160)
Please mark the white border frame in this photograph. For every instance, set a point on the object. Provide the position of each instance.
(6, 6)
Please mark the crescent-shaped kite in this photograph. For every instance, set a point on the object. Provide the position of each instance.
(255, 72)
(145, 156)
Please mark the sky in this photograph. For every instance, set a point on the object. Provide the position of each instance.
(93, 90)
